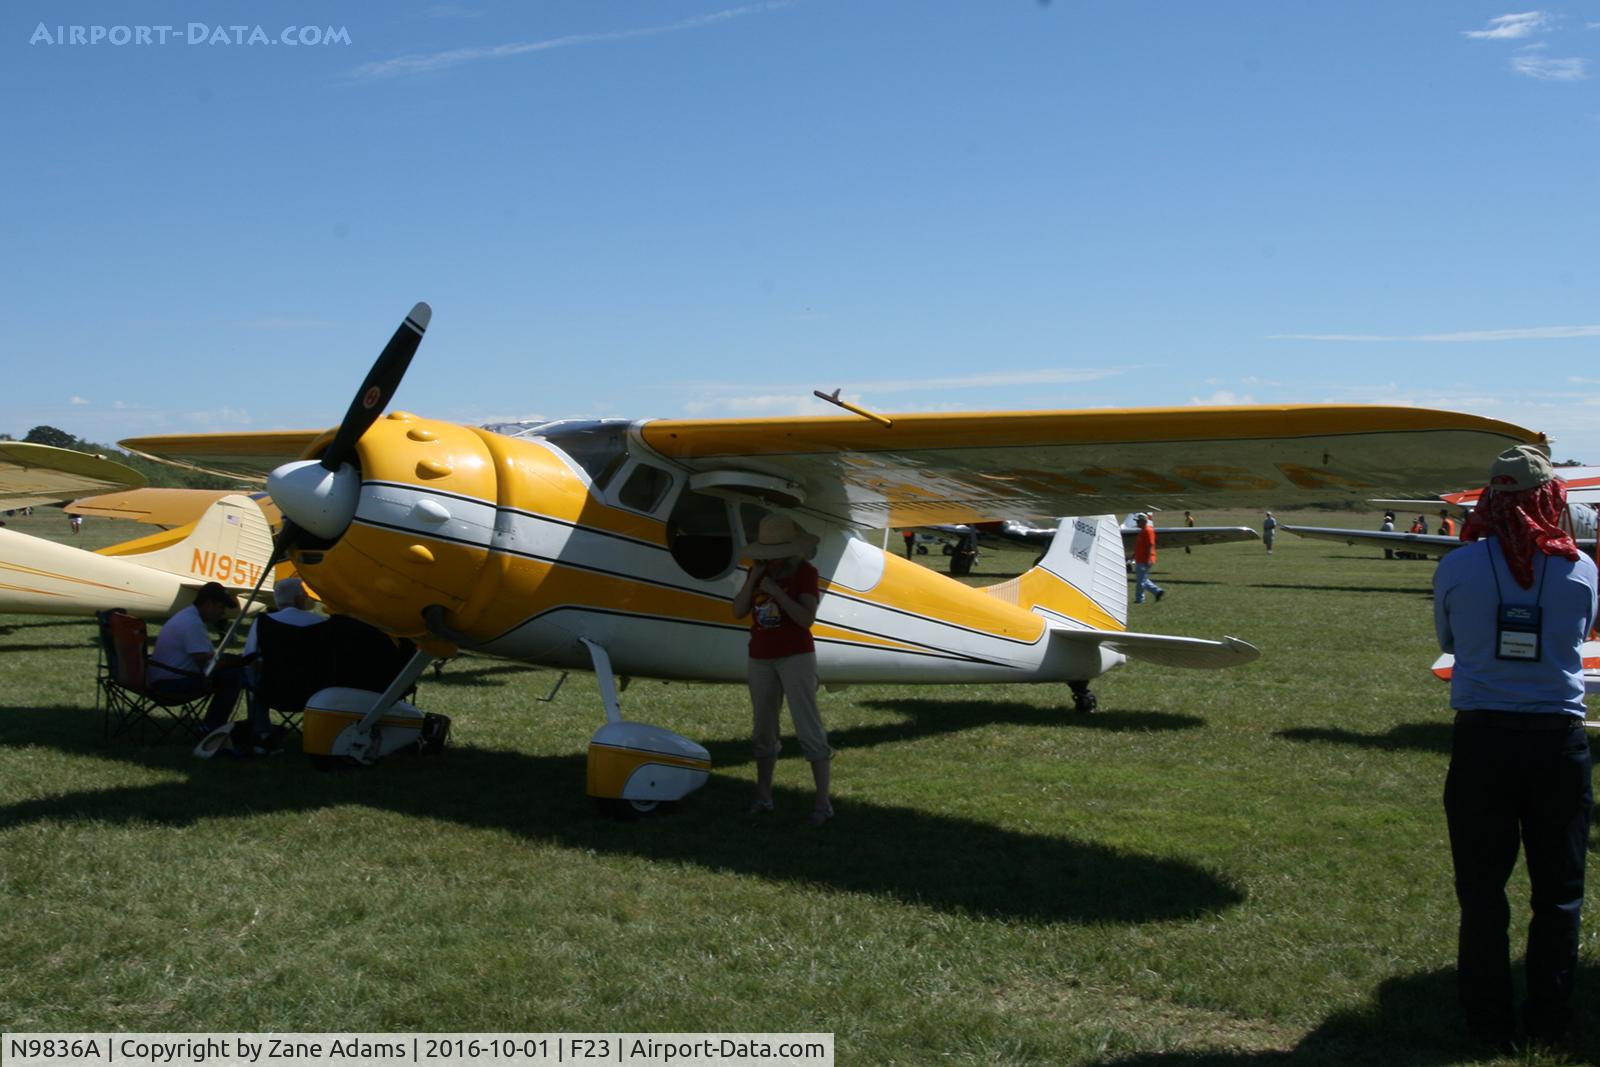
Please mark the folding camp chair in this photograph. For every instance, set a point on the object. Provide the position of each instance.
(294, 662)
(291, 663)
(124, 684)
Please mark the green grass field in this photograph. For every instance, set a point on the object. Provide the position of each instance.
(1246, 866)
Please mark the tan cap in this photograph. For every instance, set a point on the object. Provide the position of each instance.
(1520, 468)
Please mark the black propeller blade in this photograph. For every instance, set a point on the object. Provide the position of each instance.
(380, 385)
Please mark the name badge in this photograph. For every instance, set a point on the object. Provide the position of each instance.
(1517, 633)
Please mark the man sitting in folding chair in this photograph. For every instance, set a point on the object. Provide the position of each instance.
(183, 650)
(283, 671)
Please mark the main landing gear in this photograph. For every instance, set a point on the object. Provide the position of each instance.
(1083, 701)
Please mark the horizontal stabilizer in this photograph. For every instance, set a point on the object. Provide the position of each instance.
(1165, 649)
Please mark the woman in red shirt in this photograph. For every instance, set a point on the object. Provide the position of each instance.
(780, 595)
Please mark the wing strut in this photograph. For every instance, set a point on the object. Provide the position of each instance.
(607, 680)
(363, 748)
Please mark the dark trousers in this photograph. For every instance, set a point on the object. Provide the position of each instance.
(224, 685)
(1505, 786)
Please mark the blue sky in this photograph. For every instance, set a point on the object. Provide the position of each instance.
(676, 208)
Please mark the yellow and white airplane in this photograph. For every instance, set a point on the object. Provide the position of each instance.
(617, 545)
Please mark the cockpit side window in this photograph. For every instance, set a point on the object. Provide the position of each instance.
(700, 535)
(644, 488)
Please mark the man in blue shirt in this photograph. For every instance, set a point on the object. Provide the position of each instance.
(1515, 609)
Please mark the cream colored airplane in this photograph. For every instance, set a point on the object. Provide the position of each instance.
(151, 577)
(616, 546)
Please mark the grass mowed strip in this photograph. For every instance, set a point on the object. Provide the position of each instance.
(1242, 866)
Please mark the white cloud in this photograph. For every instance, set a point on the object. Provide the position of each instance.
(431, 61)
(77, 401)
(1531, 333)
(1533, 63)
(1224, 397)
(1510, 27)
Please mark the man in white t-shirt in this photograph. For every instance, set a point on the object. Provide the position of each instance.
(183, 650)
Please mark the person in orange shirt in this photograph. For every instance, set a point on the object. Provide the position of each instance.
(1144, 557)
(1447, 525)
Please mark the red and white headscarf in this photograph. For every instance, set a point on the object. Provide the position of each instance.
(1526, 522)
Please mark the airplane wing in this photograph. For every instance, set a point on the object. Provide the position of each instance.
(42, 474)
(1189, 536)
(1435, 545)
(162, 507)
(249, 457)
(923, 470)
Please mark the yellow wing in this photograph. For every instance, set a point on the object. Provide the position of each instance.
(924, 469)
(41, 474)
(250, 457)
(162, 507)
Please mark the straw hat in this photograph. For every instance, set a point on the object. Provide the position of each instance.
(781, 537)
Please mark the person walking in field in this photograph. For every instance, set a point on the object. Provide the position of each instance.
(1144, 557)
(1269, 529)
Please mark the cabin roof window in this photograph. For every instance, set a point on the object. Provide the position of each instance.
(598, 446)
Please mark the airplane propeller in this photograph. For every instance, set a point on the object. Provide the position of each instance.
(318, 496)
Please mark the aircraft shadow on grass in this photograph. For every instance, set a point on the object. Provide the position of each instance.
(474, 676)
(9, 647)
(918, 857)
(926, 717)
(38, 624)
(1406, 736)
(1387, 590)
(1412, 1019)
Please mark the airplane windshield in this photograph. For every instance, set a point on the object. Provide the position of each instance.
(599, 446)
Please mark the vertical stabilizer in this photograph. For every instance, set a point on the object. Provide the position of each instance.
(230, 543)
(1082, 579)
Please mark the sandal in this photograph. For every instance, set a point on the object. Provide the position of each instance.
(819, 816)
(759, 807)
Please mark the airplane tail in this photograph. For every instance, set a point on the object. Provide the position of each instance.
(1081, 581)
(1080, 587)
(231, 543)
